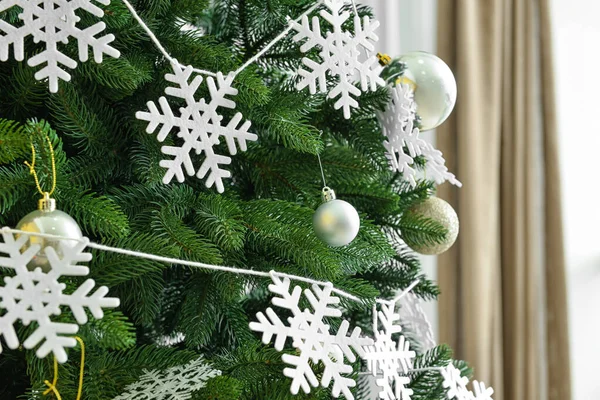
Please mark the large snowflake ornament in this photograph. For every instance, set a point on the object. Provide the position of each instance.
(35, 296)
(403, 142)
(54, 22)
(339, 53)
(199, 127)
(311, 336)
(176, 383)
(388, 359)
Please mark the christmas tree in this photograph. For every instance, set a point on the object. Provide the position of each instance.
(244, 200)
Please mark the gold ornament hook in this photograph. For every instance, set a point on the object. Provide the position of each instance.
(46, 203)
(384, 59)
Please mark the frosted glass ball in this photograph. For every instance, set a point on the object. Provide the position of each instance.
(336, 222)
(435, 93)
(50, 222)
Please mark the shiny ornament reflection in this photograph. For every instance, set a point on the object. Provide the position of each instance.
(53, 222)
(435, 87)
(336, 222)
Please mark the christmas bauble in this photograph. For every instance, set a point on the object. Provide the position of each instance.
(336, 222)
(48, 220)
(441, 212)
(435, 87)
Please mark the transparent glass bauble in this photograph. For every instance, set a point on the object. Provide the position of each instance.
(336, 222)
(50, 222)
(435, 87)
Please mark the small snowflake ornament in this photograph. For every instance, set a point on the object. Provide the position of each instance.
(457, 386)
(455, 383)
(176, 383)
(339, 53)
(35, 296)
(403, 142)
(415, 320)
(311, 336)
(389, 359)
(481, 392)
(54, 22)
(199, 127)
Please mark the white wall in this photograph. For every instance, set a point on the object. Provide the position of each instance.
(410, 25)
(577, 53)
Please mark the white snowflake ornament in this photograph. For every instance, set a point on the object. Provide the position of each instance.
(415, 320)
(481, 392)
(176, 383)
(455, 383)
(199, 127)
(54, 22)
(457, 386)
(388, 359)
(403, 142)
(340, 51)
(35, 296)
(312, 338)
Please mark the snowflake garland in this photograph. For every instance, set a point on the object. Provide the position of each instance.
(200, 127)
(53, 22)
(312, 338)
(457, 386)
(388, 359)
(176, 383)
(35, 296)
(340, 51)
(403, 142)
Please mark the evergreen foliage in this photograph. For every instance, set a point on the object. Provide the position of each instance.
(110, 181)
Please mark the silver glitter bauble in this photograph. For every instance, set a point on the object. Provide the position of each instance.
(50, 221)
(441, 212)
(336, 222)
(435, 87)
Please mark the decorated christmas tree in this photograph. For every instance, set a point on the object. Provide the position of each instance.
(222, 204)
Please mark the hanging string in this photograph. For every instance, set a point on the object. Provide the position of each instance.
(411, 371)
(322, 172)
(195, 264)
(157, 42)
(277, 39)
(52, 385)
(33, 172)
(169, 57)
(321, 164)
(354, 8)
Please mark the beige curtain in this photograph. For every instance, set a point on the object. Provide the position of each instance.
(503, 303)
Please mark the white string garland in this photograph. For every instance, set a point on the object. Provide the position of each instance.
(258, 55)
(234, 270)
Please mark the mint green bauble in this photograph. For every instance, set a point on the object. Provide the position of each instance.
(435, 87)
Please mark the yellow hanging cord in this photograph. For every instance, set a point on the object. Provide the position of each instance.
(34, 173)
(52, 386)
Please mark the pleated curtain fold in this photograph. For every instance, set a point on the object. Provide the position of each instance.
(503, 303)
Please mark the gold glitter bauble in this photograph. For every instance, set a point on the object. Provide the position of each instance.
(441, 212)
